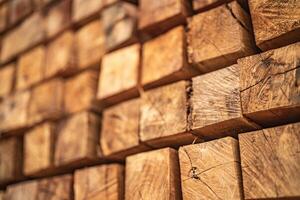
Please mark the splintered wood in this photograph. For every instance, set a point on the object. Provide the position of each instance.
(271, 162)
(153, 175)
(211, 170)
(270, 86)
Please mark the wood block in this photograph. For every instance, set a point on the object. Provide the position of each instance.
(10, 159)
(271, 162)
(13, 111)
(120, 130)
(153, 175)
(58, 18)
(216, 104)
(58, 187)
(119, 25)
(270, 86)
(30, 69)
(81, 92)
(90, 44)
(104, 182)
(39, 149)
(27, 34)
(203, 5)
(211, 170)
(218, 37)
(7, 73)
(275, 23)
(18, 10)
(84, 125)
(60, 59)
(3, 16)
(116, 82)
(46, 101)
(170, 46)
(164, 115)
(160, 16)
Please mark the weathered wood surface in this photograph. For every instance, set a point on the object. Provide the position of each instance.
(46, 101)
(216, 104)
(55, 188)
(119, 25)
(117, 81)
(275, 23)
(18, 10)
(120, 130)
(26, 35)
(7, 73)
(3, 16)
(159, 16)
(164, 115)
(99, 182)
(60, 58)
(30, 68)
(10, 159)
(39, 149)
(270, 89)
(153, 175)
(90, 44)
(165, 59)
(203, 5)
(81, 92)
(271, 162)
(211, 170)
(77, 139)
(218, 37)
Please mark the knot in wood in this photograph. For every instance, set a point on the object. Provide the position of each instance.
(193, 173)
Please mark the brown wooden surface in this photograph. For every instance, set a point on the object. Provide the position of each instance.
(18, 10)
(99, 182)
(46, 101)
(10, 159)
(211, 170)
(118, 81)
(1, 195)
(3, 16)
(77, 139)
(270, 86)
(159, 16)
(30, 68)
(6, 79)
(81, 92)
(216, 104)
(164, 115)
(275, 23)
(203, 5)
(165, 59)
(218, 37)
(271, 162)
(153, 175)
(39, 149)
(90, 44)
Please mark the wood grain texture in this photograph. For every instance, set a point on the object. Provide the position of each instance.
(99, 182)
(28, 33)
(216, 104)
(211, 170)
(10, 159)
(46, 101)
(218, 37)
(55, 188)
(81, 92)
(120, 130)
(60, 57)
(3, 16)
(203, 5)
(270, 86)
(7, 73)
(90, 44)
(158, 16)
(275, 23)
(118, 82)
(271, 162)
(77, 139)
(153, 175)
(39, 149)
(30, 68)
(18, 10)
(165, 59)
(164, 115)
